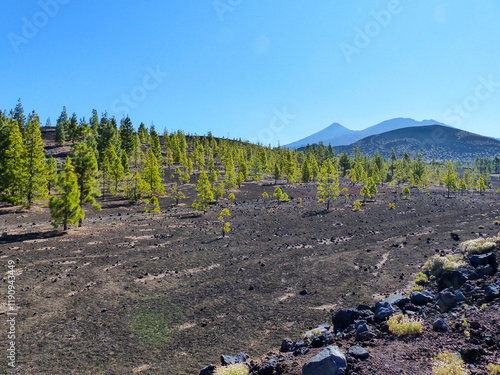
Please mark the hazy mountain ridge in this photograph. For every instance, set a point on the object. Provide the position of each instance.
(441, 142)
(338, 135)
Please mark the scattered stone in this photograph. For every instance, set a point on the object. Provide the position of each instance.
(226, 360)
(446, 300)
(492, 291)
(330, 361)
(454, 236)
(440, 325)
(451, 278)
(343, 319)
(383, 310)
(209, 370)
(421, 298)
(286, 345)
(484, 259)
(471, 355)
(300, 351)
(358, 352)
(398, 300)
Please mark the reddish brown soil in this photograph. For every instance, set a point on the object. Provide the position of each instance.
(78, 291)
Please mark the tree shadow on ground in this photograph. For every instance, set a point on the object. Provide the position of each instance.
(13, 238)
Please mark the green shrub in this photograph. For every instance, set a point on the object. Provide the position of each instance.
(265, 195)
(235, 369)
(402, 325)
(421, 279)
(481, 227)
(493, 369)
(437, 264)
(479, 245)
(449, 364)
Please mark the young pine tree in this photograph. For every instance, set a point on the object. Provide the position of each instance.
(51, 166)
(36, 178)
(225, 229)
(87, 173)
(16, 172)
(115, 168)
(328, 185)
(136, 188)
(65, 208)
(151, 174)
(177, 195)
(205, 195)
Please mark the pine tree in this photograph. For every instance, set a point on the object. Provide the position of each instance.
(328, 184)
(344, 163)
(151, 174)
(143, 133)
(87, 173)
(125, 164)
(65, 208)
(176, 193)
(94, 123)
(16, 172)
(462, 185)
(230, 177)
(306, 172)
(406, 192)
(36, 173)
(60, 134)
(136, 188)
(127, 136)
(205, 195)
(51, 167)
(63, 120)
(152, 205)
(481, 185)
(114, 168)
(19, 116)
(276, 173)
(450, 178)
(225, 229)
(136, 153)
(155, 146)
(73, 128)
(280, 196)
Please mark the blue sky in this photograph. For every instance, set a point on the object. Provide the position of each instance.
(268, 71)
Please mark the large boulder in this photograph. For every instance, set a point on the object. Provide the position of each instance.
(447, 299)
(343, 319)
(331, 361)
(421, 298)
(398, 299)
(483, 260)
(226, 360)
(358, 352)
(451, 278)
(383, 310)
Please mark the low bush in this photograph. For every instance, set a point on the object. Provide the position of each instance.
(236, 369)
(402, 325)
(437, 264)
(479, 245)
(449, 364)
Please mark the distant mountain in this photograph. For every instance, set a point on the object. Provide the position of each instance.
(337, 135)
(441, 142)
(334, 131)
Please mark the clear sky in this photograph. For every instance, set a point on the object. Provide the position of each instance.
(261, 70)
